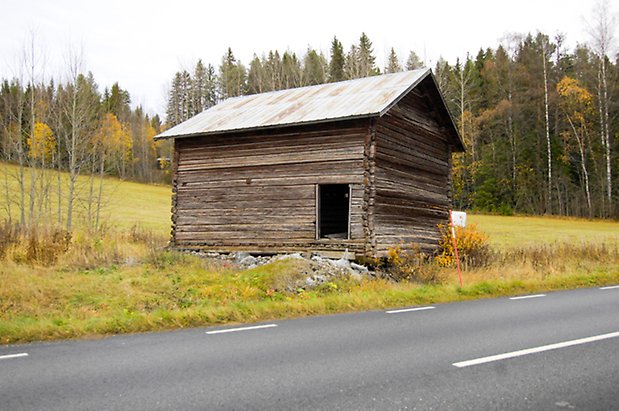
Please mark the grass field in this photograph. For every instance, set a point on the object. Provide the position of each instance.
(128, 203)
(516, 231)
(125, 203)
(122, 279)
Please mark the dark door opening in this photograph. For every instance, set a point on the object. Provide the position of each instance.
(333, 211)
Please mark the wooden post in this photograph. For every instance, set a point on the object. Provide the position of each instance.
(453, 236)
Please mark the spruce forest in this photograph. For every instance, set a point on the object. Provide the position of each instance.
(540, 123)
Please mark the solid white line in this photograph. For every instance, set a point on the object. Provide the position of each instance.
(6, 357)
(543, 348)
(523, 297)
(407, 310)
(231, 330)
(610, 287)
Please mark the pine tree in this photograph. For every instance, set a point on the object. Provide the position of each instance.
(393, 63)
(314, 68)
(273, 72)
(210, 87)
(367, 61)
(413, 62)
(186, 88)
(199, 89)
(117, 101)
(352, 68)
(232, 76)
(291, 71)
(173, 110)
(255, 76)
(336, 64)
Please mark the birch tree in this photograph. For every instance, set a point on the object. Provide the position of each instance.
(545, 54)
(79, 101)
(602, 38)
(576, 104)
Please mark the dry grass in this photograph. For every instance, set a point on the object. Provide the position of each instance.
(53, 285)
(127, 282)
(125, 202)
(520, 231)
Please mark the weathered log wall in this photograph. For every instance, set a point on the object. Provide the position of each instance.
(412, 174)
(257, 191)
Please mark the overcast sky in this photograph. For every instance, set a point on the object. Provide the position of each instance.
(141, 44)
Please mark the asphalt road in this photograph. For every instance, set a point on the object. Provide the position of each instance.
(372, 360)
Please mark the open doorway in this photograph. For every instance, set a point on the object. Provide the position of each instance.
(333, 213)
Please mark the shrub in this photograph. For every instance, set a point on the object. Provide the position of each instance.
(9, 235)
(39, 245)
(412, 265)
(45, 247)
(473, 248)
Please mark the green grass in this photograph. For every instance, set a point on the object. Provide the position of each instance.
(125, 204)
(172, 290)
(121, 280)
(517, 231)
(128, 203)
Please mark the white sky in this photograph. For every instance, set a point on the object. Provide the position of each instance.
(141, 44)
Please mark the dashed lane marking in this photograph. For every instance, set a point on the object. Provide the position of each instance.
(534, 350)
(407, 310)
(524, 297)
(6, 357)
(231, 330)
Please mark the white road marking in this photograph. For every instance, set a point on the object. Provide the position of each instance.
(523, 297)
(231, 330)
(610, 287)
(6, 357)
(542, 348)
(407, 310)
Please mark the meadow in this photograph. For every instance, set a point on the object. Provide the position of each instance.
(122, 279)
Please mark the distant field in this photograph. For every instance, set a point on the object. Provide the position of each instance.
(507, 231)
(131, 203)
(125, 281)
(126, 203)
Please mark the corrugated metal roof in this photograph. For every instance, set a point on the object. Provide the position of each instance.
(366, 97)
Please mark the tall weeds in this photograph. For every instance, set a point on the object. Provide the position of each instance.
(50, 246)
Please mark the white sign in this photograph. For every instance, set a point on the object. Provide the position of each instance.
(458, 218)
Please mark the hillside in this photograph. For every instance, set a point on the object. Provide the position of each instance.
(125, 203)
(124, 280)
(129, 203)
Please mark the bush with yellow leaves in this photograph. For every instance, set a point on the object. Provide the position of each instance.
(413, 265)
(473, 248)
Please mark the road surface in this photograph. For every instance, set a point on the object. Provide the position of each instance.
(554, 351)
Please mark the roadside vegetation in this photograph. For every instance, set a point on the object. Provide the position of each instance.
(55, 285)
(120, 277)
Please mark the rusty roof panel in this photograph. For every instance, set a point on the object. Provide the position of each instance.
(366, 97)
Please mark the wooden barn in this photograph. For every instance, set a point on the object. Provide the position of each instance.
(359, 165)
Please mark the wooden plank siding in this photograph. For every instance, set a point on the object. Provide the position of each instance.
(256, 191)
(412, 180)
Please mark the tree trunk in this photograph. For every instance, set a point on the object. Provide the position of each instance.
(548, 142)
(583, 164)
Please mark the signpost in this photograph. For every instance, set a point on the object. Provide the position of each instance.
(457, 219)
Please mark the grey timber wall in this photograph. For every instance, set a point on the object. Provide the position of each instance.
(256, 191)
(412, 180)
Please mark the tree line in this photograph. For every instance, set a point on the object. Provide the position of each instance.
(540, 122)
(70, 126)
(193, 92)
